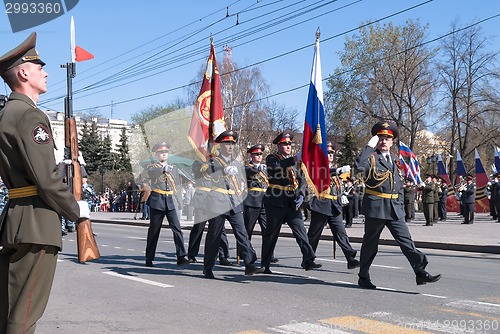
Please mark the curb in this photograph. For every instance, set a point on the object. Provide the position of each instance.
(388, 242)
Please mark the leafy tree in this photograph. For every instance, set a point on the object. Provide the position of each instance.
(385, 74)
(469, 76)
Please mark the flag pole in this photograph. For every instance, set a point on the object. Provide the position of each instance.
(317, 136)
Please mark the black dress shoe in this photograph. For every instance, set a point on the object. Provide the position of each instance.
(149, 263)
(64, 233)
(208, 274)
(267, 271)
(192, 260)
(352, 264)
(275, 260)
(225, 262)
(425, 277)
(250, 269)
(182, 261)
(311, 265)
(365, 283)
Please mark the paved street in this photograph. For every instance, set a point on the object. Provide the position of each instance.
(118, 294)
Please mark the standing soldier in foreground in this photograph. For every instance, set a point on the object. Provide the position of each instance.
(327, 209)
(282, 202)
(383, 205)
(30, 226)
(165, 200)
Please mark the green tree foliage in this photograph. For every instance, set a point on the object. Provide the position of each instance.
(90, 146)
(123, 163)
(385, 74)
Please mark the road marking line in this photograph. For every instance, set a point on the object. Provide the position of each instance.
(471, 314)
(475, 306)
(370, 326)
(250, 332)
(418, 324)
(137, 279)
(306, 328)
(434, 296)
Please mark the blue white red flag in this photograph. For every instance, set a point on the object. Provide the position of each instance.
(460, 166)
(314, 153)
(482, 202)
(406, 170)
(497, 159)
(452, 204)
(414, 168)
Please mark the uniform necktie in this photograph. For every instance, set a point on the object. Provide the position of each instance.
(388, 158)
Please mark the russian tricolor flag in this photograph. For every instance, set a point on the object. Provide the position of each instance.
(314, 154)
(413, 166)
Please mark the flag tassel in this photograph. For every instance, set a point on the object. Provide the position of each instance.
(317, 139)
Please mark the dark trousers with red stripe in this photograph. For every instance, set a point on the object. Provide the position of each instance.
(26, 276)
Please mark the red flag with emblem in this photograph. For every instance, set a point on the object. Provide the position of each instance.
(208, 115)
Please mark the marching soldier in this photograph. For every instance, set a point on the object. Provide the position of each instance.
(165, 200)
(383, 205)
(200, 203)
(226, 197)
(282, 201)
(30, 226)
(327, 209)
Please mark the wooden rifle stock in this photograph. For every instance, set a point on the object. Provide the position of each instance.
(87, 246)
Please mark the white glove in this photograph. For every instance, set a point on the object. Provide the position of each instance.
(298, 202)
(80, 159)
(61, 166)
(343, 169)
(84, 209)
(373, 142)
(261, 167)
(231, 170)
(167, 168)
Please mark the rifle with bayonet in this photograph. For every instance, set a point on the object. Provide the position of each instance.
(87, 246)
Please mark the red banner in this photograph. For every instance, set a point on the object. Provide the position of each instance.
(208, 115)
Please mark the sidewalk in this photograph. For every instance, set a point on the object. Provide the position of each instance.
(483, 236)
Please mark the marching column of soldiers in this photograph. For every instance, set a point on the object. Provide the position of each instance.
(272, 194)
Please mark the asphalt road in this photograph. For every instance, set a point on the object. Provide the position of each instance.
(118, 294)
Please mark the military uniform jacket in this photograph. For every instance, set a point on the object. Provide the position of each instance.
(228, 191)
(326, 206)
(428, 193)
(257, 183)
(469, 194)
(383, 197)
(283, 173)
(409, 195)
(27, 159)
(162, 182)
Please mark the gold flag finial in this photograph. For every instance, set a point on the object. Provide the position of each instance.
(317, 136)
(211, 39)
(318, 33)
